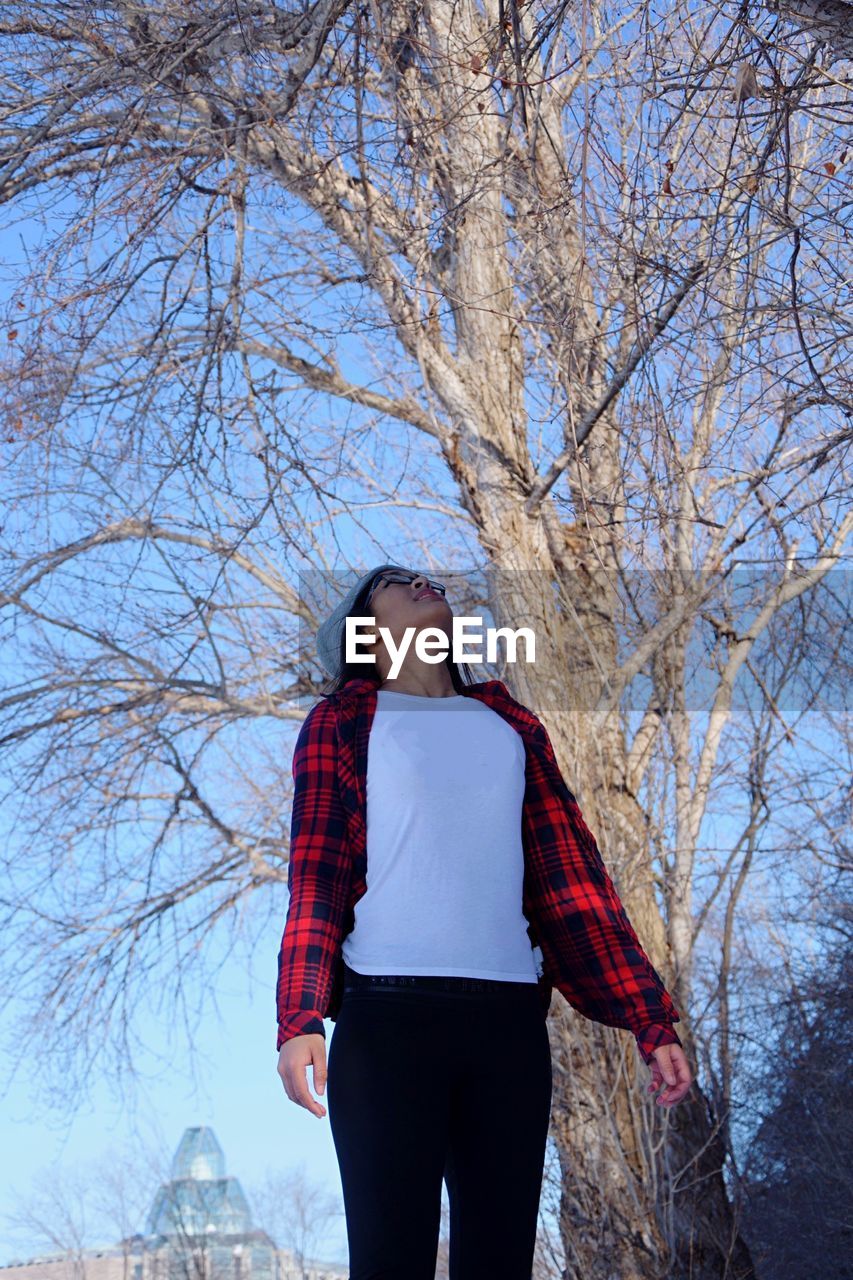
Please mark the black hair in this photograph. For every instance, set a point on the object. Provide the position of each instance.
(460, 673)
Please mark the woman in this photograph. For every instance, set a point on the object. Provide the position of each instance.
(440, 1067)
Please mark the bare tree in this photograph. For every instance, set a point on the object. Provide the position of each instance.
(830, 21)
(55, 1217)
(296, 1212)
(797, 1166)
(557, 286)
(73, 1210)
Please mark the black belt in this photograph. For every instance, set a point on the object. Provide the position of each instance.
(354, 981)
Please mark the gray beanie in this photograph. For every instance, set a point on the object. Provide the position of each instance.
(330, 633)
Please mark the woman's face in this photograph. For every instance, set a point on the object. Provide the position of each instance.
(398, 605)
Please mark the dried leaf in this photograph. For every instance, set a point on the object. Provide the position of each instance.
(746, 83)
(476, 63)
(12, 335)
(830, 168)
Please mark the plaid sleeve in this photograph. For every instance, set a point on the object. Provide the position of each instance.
(652, 1037)
(588, 943)
(318, 879)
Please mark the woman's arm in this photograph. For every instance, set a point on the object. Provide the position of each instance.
(589, 945)
(319, 877)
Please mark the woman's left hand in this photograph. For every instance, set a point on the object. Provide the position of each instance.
(670, 1067)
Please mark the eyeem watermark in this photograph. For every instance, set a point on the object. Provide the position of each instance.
(559, 608)
(431, 643)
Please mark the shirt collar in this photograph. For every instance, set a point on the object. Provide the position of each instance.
(493, 693)
(487, 690)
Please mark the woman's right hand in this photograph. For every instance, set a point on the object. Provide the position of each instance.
(294, 1056)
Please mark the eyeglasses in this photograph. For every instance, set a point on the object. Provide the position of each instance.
(404, 577)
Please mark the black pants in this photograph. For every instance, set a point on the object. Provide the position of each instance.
(434, 1078)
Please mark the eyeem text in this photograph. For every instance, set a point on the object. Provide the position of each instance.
(431, 643)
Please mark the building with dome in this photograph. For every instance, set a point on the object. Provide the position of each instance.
(199, 1227)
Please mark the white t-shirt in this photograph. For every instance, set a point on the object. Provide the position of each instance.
(445, 859)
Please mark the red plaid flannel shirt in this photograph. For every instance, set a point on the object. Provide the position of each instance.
(590, 951)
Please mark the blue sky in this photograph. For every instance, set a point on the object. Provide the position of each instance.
(227, 1080)
(227, 1077)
